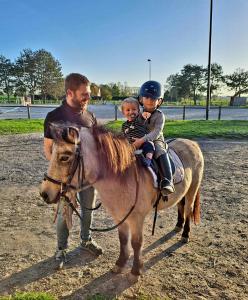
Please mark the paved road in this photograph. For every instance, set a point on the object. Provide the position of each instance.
(107, 112)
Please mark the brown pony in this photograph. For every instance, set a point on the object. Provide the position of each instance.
(109, 164)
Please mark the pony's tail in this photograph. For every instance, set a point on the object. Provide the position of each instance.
(197, 209)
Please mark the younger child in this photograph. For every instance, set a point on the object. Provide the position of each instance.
(151, 99)
(135, 127)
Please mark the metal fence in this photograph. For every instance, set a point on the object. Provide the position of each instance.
(108, 112)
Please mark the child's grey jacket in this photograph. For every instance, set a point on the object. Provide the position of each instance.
(155, 125)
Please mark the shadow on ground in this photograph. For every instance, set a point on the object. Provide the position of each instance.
(44, 269)
(112, 284)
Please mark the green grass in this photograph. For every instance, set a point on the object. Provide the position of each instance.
(184, 129)
(29, 296)
(200, 129)
(20, 126)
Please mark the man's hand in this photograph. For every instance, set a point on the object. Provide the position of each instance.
(146, 115)
(138, 142)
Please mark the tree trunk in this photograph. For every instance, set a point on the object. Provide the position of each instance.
(231, 101)
(194, 98)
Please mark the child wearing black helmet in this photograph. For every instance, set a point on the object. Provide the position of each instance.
(151, 99)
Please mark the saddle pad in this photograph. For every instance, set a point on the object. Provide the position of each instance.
(178, 175)
(179, 169)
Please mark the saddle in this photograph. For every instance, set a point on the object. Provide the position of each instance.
(176, 166)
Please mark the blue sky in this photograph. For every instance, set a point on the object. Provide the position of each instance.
(110, 41)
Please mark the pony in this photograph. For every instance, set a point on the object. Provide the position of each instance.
(109, 164)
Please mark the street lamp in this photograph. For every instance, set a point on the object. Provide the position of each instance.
(150, 67)
(209, 61)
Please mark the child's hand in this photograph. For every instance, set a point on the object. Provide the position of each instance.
(138, 143)
(146, 115)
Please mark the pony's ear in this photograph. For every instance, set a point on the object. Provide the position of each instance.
(56, 131)
(71, 135)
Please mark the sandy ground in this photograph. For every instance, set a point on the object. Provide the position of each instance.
(214, 265)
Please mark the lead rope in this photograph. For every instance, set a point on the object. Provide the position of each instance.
(155, 212)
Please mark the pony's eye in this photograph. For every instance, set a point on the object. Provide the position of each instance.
(64, 158)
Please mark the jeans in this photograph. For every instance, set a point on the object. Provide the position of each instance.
(87, 200)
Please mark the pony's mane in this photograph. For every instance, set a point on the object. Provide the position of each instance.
(115, 154)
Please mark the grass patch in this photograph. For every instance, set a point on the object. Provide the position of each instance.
(29, 296)
(185, 129)
(200, 129)
(20, 126)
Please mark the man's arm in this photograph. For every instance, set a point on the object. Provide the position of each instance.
(48, 146)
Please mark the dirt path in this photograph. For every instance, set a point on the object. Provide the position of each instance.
(214, 265)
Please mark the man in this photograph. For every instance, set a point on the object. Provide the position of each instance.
(74, 110)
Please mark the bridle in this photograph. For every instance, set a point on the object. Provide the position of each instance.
(77, 164)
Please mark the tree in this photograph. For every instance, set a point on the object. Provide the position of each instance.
(95, 89)
(49, 75)
(178, 86)
(38, 71)
(115, 91)
(216, 78)
(106, 91)
(58, 90)
(237, 81)
(193, 79)
(6, 75)
(26, 71)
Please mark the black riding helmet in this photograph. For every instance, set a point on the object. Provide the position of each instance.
(151, 89)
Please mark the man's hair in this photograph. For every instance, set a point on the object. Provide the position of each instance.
(74, 80)
(129, 100)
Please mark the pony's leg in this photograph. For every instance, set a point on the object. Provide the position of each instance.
(186, 230)
(180, 216)
(137, 243)
(191, 199)
(124, 249)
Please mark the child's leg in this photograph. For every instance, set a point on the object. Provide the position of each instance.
(162, 158)
(148, 150)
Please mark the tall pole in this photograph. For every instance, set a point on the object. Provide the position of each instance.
(209, 62)
(150, 68)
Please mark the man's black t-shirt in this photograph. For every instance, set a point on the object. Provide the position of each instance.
(68, 114)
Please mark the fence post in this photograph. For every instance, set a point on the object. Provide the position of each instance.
(116, 112)
(184, 110)
(28, 109)
(219, 115)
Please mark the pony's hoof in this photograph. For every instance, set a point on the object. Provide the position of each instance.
(184, 239)
(119, 270)
(132, 278)
(178, 229)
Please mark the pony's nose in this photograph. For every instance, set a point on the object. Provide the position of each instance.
(44, 195)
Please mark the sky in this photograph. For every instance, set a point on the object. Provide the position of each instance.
(111, 40)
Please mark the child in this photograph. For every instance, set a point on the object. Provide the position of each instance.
(151, 99)
(135, 127)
